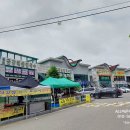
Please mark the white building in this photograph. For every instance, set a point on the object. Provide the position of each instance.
(102, 75)
(67, 68)
(16, 66)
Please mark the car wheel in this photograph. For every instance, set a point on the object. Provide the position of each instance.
(91, 95)
(114, 95)
(97, 96)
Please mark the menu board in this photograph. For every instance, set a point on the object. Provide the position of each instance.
(31, 72)
(9, 69)
(17, 71)
(24, 71)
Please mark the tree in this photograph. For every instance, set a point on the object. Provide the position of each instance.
(53, 72)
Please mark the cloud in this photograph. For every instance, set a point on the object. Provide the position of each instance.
(97, 39)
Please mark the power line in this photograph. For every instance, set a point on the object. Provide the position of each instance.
(66, 15)
(64, 20)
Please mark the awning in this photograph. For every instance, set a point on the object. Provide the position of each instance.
(59, 83)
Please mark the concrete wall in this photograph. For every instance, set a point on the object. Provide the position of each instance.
(127, 73)
(80, 70)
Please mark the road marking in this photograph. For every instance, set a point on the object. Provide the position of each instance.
(115, 104)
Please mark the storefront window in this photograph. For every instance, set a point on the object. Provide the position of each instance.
(119, 78)
(11, 100)
(11, 56)
(105, 81)
(78, 77)
(35, 98)
(4, 54)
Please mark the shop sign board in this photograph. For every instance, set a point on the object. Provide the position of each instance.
(24, 71)
(11, 111)
(17, 70)
(11, 71)
(88, 98)
(103, 72)
(68, 101)
(17, 63)
(31, 72)
(12, 93)
(119, 73)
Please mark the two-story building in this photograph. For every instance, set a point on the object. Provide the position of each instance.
(16, 66)
(108, 75)
(67, 67)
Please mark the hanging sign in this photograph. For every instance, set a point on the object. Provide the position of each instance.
(12, 93)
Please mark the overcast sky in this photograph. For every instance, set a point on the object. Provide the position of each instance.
(95, 40)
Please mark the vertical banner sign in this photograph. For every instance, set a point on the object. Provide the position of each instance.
(88, 98)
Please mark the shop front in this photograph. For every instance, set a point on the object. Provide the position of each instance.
(119, 78)
(104, 77)
(105, 81)
(63, 91)
(15, 103)
(15, 66)
(23, 98)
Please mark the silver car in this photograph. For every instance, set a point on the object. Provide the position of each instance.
(89, 90)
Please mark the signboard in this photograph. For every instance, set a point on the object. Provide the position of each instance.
(9, 69)
(104, 78)
(24, 71)
(36, 91)
(17, 63)
(31, 72)
(68, 101)
(103, 72)
(119, 73)
(11, 111)
(17, 70)
(88, 98)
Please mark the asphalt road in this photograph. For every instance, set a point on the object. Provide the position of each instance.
(102, 114)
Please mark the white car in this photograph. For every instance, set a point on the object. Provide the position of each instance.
(89, 90)
(125, 90)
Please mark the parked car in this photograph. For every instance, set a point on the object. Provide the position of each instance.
(89, 90)
(107, 92)
(128, 90)
(125, 89)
